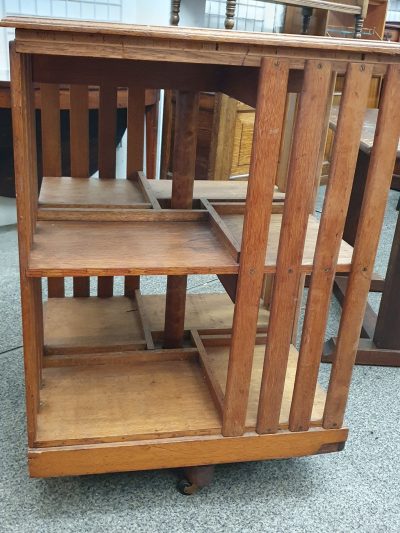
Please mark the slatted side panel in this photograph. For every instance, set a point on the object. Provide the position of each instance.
(79, 150)
(272, 88)
(379, 177)
(343, 164)
(51, 154)
(134, 156)
(303, 163)
(107, 157)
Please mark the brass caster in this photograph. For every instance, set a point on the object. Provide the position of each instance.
(185, 487)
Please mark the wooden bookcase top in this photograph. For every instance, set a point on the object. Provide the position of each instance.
(188, 45)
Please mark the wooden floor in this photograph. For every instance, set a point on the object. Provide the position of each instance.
(94, 324)
(143, 400)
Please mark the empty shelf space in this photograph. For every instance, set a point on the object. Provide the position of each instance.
(124, 248)
(127, 401)
(218, 360)
(73, 325)
(235, 224)
(82, 325)
(69, 192)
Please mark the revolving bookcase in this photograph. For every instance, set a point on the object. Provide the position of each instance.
(134, 382)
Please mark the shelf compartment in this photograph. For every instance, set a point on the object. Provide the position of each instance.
(82, 325)
(127, 248)
(73, 325)
(217, 358)
(135, 400)
(234, 222)
(90, 193)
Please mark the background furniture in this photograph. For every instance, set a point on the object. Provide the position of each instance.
(172, 399)
(380, 336)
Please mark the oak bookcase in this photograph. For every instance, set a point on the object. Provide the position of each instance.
(133, 382)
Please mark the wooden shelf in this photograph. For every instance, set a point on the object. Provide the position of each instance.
(125, 401)
(125, 248)
(82, 325)
(92, 193)
(218, 359)
(235, 224)
(119, 400)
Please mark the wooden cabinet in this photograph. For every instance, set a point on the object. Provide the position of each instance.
(129, 382)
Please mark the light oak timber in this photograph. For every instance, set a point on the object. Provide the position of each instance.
(79, 148)
(76, 325)
(173, 453)
(127, 248)
(372, 211)
(234, 222)
(302, 167)
(267, 132)
(367, 353)
(92, 193)
(184, 160)
(337, 197)
(23, 119)
(144, 321)
(117, 215)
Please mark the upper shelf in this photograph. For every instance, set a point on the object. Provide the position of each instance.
(127, 248)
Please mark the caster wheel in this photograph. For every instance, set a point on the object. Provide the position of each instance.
(187, 488)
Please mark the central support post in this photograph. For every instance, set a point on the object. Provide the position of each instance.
(184, 161)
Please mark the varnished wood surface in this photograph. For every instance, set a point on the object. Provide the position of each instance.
(92, 324)
(368, 130)
(129, 395)
(218, 359)
(123, 248)
(189, 451)
(212, 190)
(100, 403)
(81, 325)
(235, 224)
(198, 34)
(81, 192)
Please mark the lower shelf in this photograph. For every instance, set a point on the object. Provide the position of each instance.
(144, 395)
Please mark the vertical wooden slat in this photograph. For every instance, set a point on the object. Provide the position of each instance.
(272, 87)
(151, 140)
(135, 152)
(23, 117)
(379, 177)
(51, 129)
(184, 160)
(107, 157)
(51, 154)
(342, 168)
(79, 131)
(135, 131)
(79, 148)
(303, 164)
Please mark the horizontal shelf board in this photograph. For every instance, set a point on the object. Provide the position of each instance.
(212, 190)
(235, 224)
(218, 358)
(106, 403)
(203, 312)
(124, 248)
(82, 325)
(91, 193)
